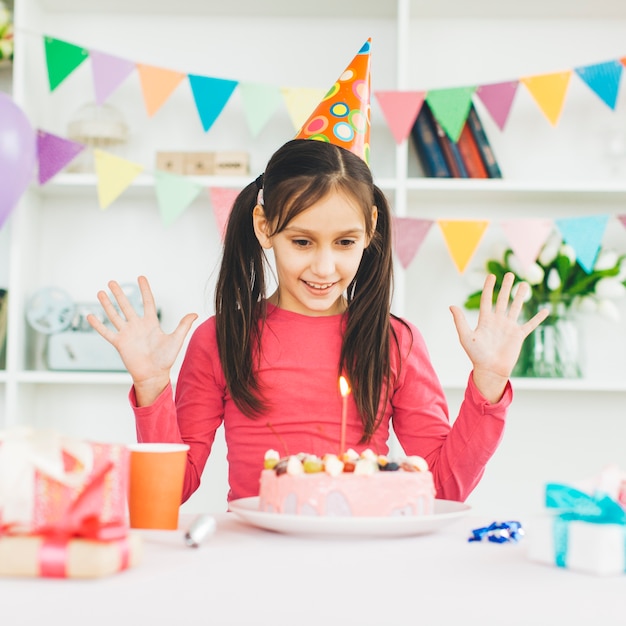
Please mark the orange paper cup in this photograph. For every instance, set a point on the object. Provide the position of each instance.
(157, 471)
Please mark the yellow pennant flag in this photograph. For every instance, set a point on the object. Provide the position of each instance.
(462, 238)
(549, 91)
(114, 176)
(301, 103)
(157, 85)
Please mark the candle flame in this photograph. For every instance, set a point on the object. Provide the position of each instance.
(344, 388)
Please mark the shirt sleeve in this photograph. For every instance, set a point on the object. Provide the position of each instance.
(456, 453)
(194, 413)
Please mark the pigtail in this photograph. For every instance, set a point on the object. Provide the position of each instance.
(239, 304)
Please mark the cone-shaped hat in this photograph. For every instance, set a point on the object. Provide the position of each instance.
(343, 116)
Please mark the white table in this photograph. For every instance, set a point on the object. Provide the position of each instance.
(247, 576)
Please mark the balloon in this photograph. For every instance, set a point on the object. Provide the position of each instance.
(18, 155)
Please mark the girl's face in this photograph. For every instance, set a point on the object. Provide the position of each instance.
(317, 255)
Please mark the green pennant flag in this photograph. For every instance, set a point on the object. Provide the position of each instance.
(259, 103)
(450, 108)
(62, 58)
(174, 194)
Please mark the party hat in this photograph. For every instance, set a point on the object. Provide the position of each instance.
(343, 116)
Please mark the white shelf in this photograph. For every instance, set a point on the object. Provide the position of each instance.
(557, 385)
(73, 378)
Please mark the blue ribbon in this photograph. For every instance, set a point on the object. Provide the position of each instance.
(576, 505)
(498, 532)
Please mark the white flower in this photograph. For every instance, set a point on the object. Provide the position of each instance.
(608, 309)
(585, 304)
(610, 287)
(550, 249)
(534, 274)
(607, 260)
(515, 289)
(554, 280)
(515, 266)
(569, 252)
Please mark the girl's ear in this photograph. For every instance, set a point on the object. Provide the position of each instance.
(374, 222)
(261, 227)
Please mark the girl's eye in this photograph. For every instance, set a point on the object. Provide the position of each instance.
(346, 243)
(300, 243)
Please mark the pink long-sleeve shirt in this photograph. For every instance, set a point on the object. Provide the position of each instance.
(299, 373)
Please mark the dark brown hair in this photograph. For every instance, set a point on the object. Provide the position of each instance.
(299, 174)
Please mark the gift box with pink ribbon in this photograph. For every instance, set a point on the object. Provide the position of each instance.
(63, 507)
(585, 529)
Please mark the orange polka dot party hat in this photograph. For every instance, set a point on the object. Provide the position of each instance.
(343, 116)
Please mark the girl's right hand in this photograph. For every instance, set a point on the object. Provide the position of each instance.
(147, 352)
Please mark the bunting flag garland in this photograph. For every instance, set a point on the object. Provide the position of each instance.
(603, 79)
(222, 199)
(54, 153)
(157, 85)
(451, 107)
(585, 235)
(62, 58)
(300, 103)
(211, 96)
(622, 219)
(409, 234)
(259, 103)
(114, 176)
(526, 237)
(462, 238)
(548, 91)
(174, 194)
(400, 111)
(498, 100)
(108, 72)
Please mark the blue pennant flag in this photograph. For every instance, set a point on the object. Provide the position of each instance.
(585, 235)
(211, 96)
(603, 79)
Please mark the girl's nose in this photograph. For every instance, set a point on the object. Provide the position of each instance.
(324, 262)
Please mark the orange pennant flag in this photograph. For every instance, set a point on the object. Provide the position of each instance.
(549, 91)
(157, 85)
(462, 238)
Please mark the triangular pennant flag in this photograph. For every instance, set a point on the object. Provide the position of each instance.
(462, 238)
(157, 85)
(300, 102)
(622, 219)
(548, 91)
(400, 109)
(108, 73)
(62, 58)
(585, 235)
(450, 108)
(603, 79)
(409, 235)
(174, 194)
(54, 153)
(222, 199)
(114, 175)
(498, 100)
(211, 96)
(259, 103)
(527, 237)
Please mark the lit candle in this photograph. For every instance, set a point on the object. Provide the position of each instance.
(344, 388)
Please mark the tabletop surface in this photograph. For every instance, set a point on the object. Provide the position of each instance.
(243, 575)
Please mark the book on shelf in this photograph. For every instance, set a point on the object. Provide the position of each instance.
(451, 153)
(426, 142)
(470, 153)
(486, 151)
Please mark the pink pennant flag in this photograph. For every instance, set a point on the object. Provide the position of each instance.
(409, 234)
(108, 73)
(400, 109)
(54, 153)
(527, 237)
(622, 219)
(498, 100)
(222, 199)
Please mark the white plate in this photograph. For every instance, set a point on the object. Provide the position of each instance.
(446, 511)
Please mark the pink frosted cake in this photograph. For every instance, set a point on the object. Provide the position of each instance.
(363, 485)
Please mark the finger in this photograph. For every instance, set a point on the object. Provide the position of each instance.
(504, 295)
(101, 329)
(486, 297)
(460, 322)
(110, 310)
(147, 297)
(519, 299)
(184, 326)
(534, 322)
(122, 300)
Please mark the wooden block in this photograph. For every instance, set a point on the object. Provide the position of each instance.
(199, 163)
(172, 162)
(231, 164)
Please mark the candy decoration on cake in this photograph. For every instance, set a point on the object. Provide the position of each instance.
(498, 532)
(343, 116)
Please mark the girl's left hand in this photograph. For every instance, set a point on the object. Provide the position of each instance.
(495, 344)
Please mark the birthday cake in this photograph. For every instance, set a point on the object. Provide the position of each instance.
(357, 485)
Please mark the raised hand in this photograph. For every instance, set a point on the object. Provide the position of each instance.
(494, 345)
(147, 352)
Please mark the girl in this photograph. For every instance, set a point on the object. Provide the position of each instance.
(267, 367)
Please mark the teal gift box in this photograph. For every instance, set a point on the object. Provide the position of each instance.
(584, 532)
